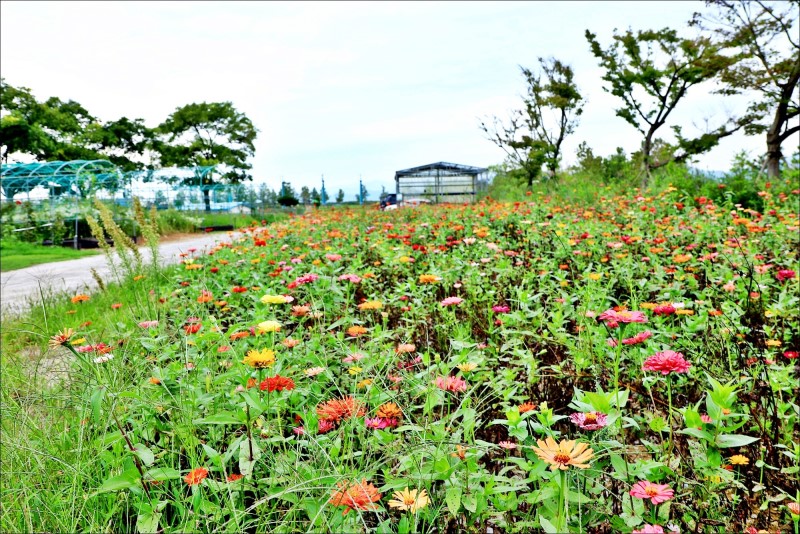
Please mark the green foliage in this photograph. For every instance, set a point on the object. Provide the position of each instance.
(15, 254)
(651, 72)
(532, 138)
(340, 196)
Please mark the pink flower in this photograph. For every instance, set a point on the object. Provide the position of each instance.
(638, 338)
(299, 430)
(356, 356)
(333, 257)
(501, 309)
(785, 274)
(452, 301)
(148, 324)
(666, 362)
(730, 286)
(381, 422)
(589, 420)
(508, 445)
(657, 493)
(665, 309)
(649, 529)
(325, 426)
(613, 318)
(705, 418)
(350, 278)
(451, 383)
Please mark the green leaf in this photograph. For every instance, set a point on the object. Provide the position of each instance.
(145, 454)
(734, 440)
(147, 523)
(246, 462)
(452, 498)
(547, 526)
(162, 473)
(125, 480)
(658, 424)
(222, 418)
(470, 502)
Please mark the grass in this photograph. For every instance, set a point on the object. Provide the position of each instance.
(18, 255)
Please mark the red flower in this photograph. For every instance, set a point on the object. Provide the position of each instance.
(192, 328)
(666, 362)
(234, 477)
(239, 289)
(196, 476)
(666, 309)
(337, 409)
(791, 354)
(785, 274)
(277, 383)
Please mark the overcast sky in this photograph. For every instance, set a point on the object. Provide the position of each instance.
(344, 89)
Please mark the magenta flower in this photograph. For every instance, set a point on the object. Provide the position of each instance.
(381, 422)
(657, 493)
(452, 301)
(785, 274)
(589, 420)
(666, 362)
(664, 309)
(148, 324)
(649, 529)
(501, 309)
(638, 338)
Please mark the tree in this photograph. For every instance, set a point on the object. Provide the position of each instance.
(305, 195)
(287, 195)
(551, 107)
(364, 193)
(768, 63)
(208, 134)
(340, 196)
(651, 71)
(315, 198)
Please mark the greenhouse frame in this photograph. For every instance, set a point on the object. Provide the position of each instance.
(442, 182)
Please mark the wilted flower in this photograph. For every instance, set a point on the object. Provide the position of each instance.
(61, 338)
(657, 493)
(411, 500)
(666, 362)
(589, 420)
(563, 454)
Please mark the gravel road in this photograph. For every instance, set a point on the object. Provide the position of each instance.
(23, 288)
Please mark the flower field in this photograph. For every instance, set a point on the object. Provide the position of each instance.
(525, 367)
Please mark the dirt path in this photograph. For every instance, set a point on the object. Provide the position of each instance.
(23, 288)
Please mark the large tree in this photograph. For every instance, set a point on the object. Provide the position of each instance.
(651, 72)
(533, 135)
(207, 134)
(766, 39)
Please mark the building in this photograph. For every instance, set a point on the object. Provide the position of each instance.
(442, 182)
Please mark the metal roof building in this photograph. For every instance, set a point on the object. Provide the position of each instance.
(442, 182)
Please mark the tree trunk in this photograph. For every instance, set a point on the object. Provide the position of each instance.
(647, 146)
(207, 199)
(773, 155)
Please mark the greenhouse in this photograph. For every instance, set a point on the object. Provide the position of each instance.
(442, 182)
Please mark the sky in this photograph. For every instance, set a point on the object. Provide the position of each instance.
(343, 89)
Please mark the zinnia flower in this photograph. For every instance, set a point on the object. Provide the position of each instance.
(612, 318)
(638, 338)
(233, 477)
(371, 305)
(657, 493)
(268, 326)
(148, 324)
(501, 309)
(509, 445)
(589, 420)
(564, 454)
(785, 274)
(314, 371)
(389, 410)
(649, 529)
(739, 459)
(277, 383)
(526, 407)
(260, 359)
(666, 362)
(61, 338)
(411, 500)
(381, 423)
(451, 383)
(664, 309)
(429, 279)
(467, 367)
(273, 299)
(196, 476)
(337, 409)
(405, 347)
(356, 331)
(452, 301)
(355, 496)
(79, 298)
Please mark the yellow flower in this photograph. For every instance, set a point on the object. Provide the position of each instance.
(193, 266)
(405, 259)
(429, 278)
(355, 370)
(273, 299)
(364, 383)
(739, 459)
(467, 367)
(595, 276)
(773, 343)
(269, 326)
(411, 500)
(371, 305)
(260, 359)
(684, 312)
(564, 454)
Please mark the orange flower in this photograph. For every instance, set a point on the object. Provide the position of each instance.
(290, 343)
(563, 454)
(405, 347)
(337, 409)
(371, 305)
(355, 496)
(79, 298)
(429, 278)
(300, 311)
(355, 331)
(526, 407)
(389, 410)
(240, 335)
(62, 338)
(196, 476)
